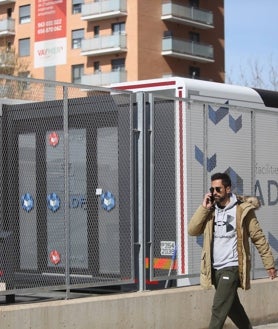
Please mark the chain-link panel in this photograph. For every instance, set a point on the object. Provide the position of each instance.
(163, 193)
(22, 90)
(66, 188)
(189, 141)
(101, 251)
(266, 182)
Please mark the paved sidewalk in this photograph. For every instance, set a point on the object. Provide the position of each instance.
(267, 326)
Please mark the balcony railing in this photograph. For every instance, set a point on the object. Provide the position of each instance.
(180, 48)
(187, 15)
(105, 78)
(103, 9)
(104, 45)
(7, 27)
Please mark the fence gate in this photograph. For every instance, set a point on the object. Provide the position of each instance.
(67, 193)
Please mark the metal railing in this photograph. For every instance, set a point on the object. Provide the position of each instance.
(187, 49)
(104, 45)
(107, 8)
(183, 13)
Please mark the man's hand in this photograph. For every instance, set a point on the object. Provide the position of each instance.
(272, 273)
(207, 202)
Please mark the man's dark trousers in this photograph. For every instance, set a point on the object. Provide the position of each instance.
(226, 301)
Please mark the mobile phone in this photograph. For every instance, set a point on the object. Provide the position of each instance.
(211, 195)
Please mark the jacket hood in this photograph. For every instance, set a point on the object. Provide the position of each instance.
(253, 200)
(232, 203)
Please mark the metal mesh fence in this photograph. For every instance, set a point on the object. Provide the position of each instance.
(24, 90)
(66, 186)
(97, 186)
(191, 140)
(163, 195)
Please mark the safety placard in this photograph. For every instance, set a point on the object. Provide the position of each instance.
(167, 248)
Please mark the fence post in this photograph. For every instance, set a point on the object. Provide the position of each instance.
(141, 190)
(66, 173)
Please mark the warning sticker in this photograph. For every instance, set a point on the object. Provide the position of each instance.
(167, 248)
(2, 286)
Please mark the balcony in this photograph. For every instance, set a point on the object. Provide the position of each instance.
(189, 50)
(103, 9)
(187, 15)
(104, 79)
(7, 27)
(5, 2)
(111, 44)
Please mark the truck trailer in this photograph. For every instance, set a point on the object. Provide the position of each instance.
(212, 127)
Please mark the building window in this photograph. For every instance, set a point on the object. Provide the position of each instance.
(194, 72)
(76, 37)
(24, 14)
(96, 31)
(9, 12)
(195, 37)
(167, 34)
(194, 3)
(76, 72)
(9, 46)
(97, 67)
(118, 64)
(118, 28)
(77, 6)
(24, 47)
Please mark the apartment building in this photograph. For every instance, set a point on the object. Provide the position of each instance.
(108, 41)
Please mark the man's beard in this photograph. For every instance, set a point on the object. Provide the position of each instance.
(219, 200)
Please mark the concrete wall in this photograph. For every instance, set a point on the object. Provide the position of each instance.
(175, 308)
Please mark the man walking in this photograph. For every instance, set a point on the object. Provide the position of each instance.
(227, 222)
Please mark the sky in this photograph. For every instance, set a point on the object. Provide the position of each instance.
(251, 36)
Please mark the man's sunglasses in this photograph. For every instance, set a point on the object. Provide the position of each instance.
(217, 189)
